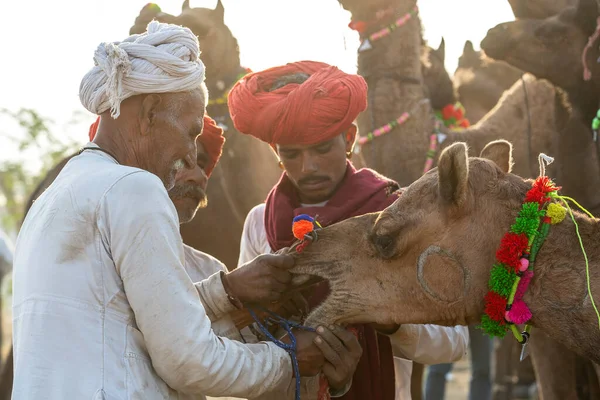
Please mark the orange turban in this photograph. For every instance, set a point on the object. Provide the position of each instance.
(212, 140)
(319, 109)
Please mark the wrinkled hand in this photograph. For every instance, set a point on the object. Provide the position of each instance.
(342, 353)
(263, 279)
(310, 358)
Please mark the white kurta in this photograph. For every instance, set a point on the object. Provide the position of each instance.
(425, 344)
(103, 307)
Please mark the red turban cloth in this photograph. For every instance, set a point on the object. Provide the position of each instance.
(322, 107)
(212, 140)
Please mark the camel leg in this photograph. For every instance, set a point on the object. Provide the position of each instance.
(416, 381)
(6, 377)
(555, 368)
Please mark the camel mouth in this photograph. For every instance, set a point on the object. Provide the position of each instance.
(495, 45)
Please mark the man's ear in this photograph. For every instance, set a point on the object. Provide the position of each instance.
(351, 137)
(148, 111)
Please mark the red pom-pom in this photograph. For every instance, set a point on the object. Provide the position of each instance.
(358, 26)
(511, 248)
(545, 185)
(301, 228)
(458, 113)
(535, 195)
(465, 123)
(448, 111)
(519, 313)
(546, 220)
(495, 306)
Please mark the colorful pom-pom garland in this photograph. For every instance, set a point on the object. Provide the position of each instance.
(453, 116)
(515, 259)
(304, 228)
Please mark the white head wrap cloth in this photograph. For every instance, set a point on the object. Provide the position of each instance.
(164, 59)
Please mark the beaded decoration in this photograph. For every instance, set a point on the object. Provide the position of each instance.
(515, 259)
(596, 125)
(387, 128)
(367, 43)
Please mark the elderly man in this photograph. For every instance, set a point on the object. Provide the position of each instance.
(103, 307)
(306, 112)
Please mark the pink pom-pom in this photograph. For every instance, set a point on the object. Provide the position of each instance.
(523, 285)
(519, 313)
(524, 265)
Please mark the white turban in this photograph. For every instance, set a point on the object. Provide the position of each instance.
(164, 59)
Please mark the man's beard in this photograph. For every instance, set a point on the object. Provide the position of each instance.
(195, 192)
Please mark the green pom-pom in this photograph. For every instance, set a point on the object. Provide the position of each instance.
(528, 220)
(528, 226)
(595, 123)
(491, 327)
(502, 280)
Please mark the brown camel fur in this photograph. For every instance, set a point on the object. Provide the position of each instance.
(401, 154)
(248, 169)
(415, 262)
(552, 49)
(480, 81)
(538, 9)
(435, 76)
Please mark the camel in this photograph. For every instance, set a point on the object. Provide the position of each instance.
(480, 81)
(415, 262)
(401, 153)
(435, 77)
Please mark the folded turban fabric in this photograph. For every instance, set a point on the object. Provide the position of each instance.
(320, 108)
(212, 140)
(164, 59)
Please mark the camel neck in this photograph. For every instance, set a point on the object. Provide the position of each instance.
(558, 295)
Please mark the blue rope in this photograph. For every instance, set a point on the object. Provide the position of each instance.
(291, 347)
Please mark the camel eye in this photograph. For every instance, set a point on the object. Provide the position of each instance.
(384, 245)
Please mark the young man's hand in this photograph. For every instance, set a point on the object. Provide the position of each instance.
(342, 353)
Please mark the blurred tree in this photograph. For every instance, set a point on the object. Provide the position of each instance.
(16, 181)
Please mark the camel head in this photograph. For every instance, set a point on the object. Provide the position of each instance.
(219, 49)
(480, 81)
(538, 9)
(436, 78)
(548, 48)
(427, 257)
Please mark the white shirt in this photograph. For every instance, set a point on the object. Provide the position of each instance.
(103, 307)
(425, 344)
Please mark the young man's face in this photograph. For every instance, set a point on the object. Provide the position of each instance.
(317, 170)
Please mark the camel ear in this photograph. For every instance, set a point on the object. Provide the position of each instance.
(185, 5)
(468, 49)
(585, 16)
(453, 174)
(220, 11)
(441, 50)
(500, 152)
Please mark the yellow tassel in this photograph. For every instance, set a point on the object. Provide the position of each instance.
(556, 212)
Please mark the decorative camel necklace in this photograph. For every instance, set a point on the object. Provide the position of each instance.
(367, 44)
(451, 116)
(515, 259)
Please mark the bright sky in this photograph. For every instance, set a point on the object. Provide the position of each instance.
(48, 45)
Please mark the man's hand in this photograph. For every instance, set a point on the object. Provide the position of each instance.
(263, 279)
(342, 353)
(310, 358)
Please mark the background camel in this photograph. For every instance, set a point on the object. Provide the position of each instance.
(480, 81)
(538, 9)
(415, 262)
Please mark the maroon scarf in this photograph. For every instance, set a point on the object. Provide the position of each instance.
(360, 192)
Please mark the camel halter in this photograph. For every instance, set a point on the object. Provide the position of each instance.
(515, 259)
(367, 44)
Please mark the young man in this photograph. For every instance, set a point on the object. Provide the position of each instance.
(103, 306)
(306, 112)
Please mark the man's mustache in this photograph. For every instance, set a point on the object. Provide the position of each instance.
(312, 179)
(182, 190)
